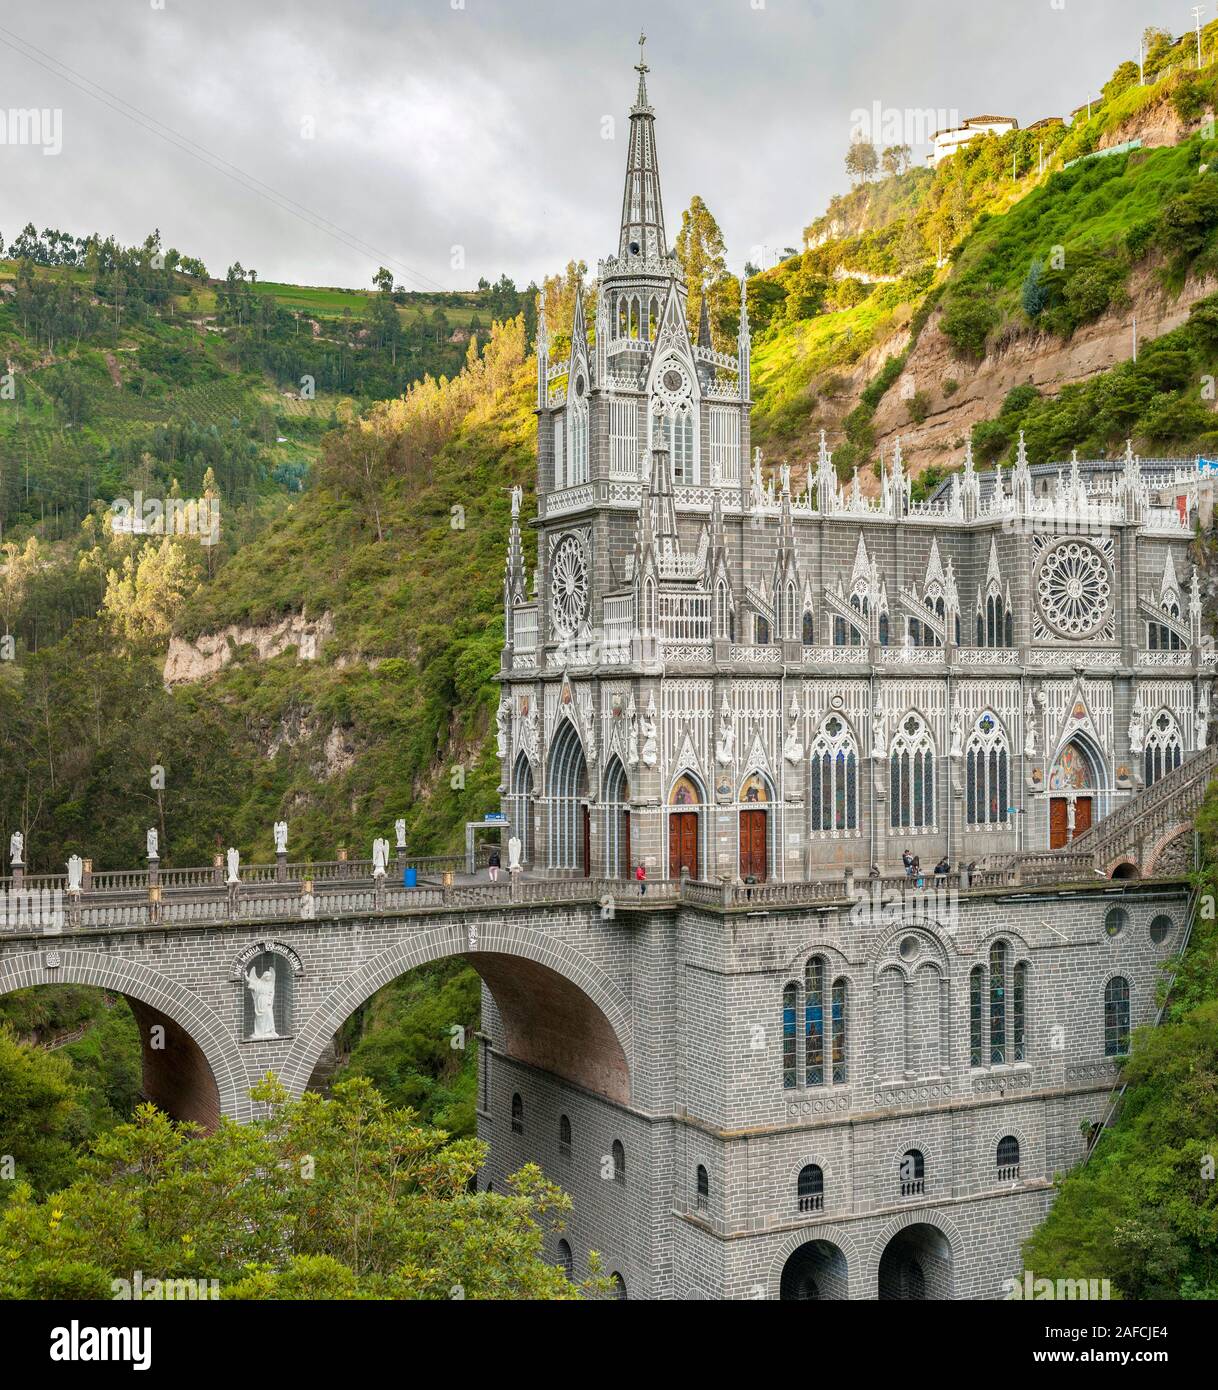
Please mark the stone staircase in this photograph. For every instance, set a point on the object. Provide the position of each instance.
(1142, 829)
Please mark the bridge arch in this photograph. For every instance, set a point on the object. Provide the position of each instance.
(560, 1012)
(200, 1069)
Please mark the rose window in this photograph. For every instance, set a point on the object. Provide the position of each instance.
(1074, 587)
(569, 586)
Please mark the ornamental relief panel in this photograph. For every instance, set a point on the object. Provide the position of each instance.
(1073, 580)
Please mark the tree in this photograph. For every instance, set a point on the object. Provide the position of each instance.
(341, 1197)
(37, 1105)
(896, 159)
(1034, 295)
(861, 160)
(142, 600)
(701, 254)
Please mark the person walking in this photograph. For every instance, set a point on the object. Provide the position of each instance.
(492, 864)
(641, 876)
(908, 860)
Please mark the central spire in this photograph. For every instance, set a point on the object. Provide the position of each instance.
(642, 208)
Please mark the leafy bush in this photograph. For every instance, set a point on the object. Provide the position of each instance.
(967, 323)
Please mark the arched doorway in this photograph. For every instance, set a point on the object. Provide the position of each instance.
(916, 1264)
(522, 807)
(567, 784)
(684, 827)
(617, 821)
(1074, 786)
(817, 1270)
(754, 828)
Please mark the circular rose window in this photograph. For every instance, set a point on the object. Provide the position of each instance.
(1074, 588)
(568, 586)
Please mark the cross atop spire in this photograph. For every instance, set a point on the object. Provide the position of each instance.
(642, 208)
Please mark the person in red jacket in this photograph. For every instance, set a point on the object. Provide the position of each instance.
(641, 875)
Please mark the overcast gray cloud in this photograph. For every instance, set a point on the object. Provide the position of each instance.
(479, 124)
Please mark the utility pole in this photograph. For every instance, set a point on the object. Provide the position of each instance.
(1142, 61)
(1135, 337)
(1198, 11)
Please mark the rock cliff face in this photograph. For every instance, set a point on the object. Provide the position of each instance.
(195, 661)
(1020, 357)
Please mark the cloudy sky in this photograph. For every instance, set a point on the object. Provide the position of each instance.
(314, 141)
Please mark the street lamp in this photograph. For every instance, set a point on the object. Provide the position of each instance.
(1198, 11)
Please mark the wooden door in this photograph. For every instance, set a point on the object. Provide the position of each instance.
(683, 843)
(753, 856)
(586, 849)
(1082, 814)
(1057, 822)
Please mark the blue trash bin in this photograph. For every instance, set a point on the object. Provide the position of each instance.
(410, 878)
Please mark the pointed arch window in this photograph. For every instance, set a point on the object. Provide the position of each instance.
(814, 1022)
(790, 1004)
(833, 778)
(998, 1003)
(976, 1014)
(702, 1194)
(987, 762)
(839, 1022)
(618, 1156)
(723, 611)
(521, 805)
(762, 627)
(577, 423)
(808, 632)
(517, 1115)
(1116, 1017)
(1164, 749)
(912, 776)
(787, 609)
(564, 1136)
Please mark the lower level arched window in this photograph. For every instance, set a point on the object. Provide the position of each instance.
(912, 1169)
(1007, 1157)
(1116, 1017)
(810, 1189)
(702, 1193)
(517, 1115)
(618, 1155)
(566, 1259)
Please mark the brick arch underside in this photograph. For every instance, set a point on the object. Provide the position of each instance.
(559, 1012)
(193, 1070)
(1171, 852)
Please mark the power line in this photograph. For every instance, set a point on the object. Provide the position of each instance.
(213, 161)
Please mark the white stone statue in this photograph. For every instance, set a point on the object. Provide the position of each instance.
(517, 498)
(1137, 727)
(16, 845)
(879, 735)
(503, 716)
(632, 734)
(399, 830)
(1029, 728)
(234, 866)
(588, 718)
(262, 988)
(1070, 815)
(514, 848)
(153, 843)
(532, 734)
(1201, 721)
(281, 837)
(957, 730)
(793, 749)
(758, 487)
(650, 752)
(380, 857)
(76, 869)
(725, 748)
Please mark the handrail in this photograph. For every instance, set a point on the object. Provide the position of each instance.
(1179, 779)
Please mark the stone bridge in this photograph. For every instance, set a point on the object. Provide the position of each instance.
(178, 943)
